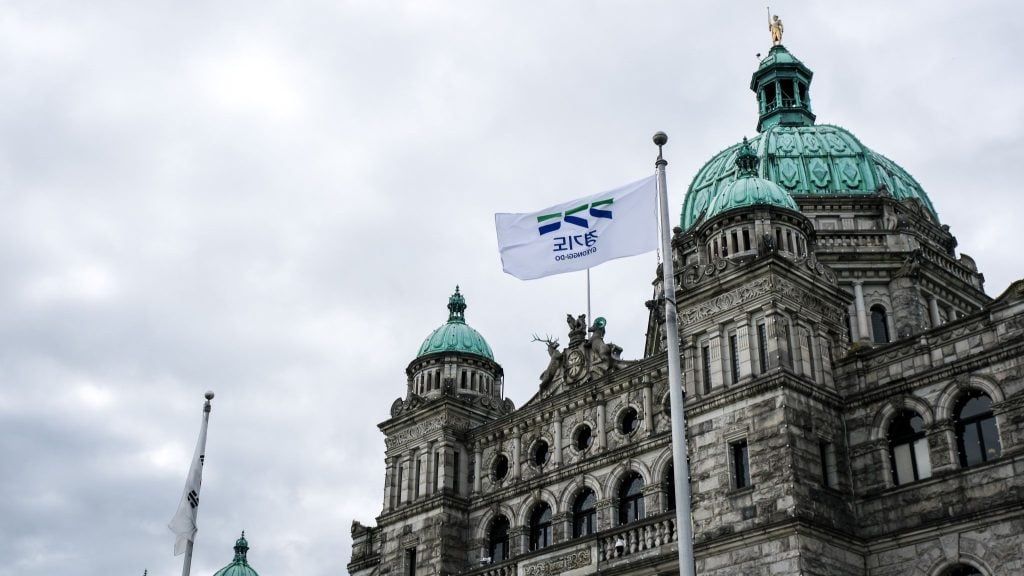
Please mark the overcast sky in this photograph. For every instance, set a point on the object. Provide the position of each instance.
(276, 202)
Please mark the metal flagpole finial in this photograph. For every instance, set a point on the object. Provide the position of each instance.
(208, 396)
(660, 139)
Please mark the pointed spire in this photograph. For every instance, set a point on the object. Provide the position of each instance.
(746, 160)
(457, 307)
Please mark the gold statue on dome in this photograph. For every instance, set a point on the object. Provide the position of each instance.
(775, 27)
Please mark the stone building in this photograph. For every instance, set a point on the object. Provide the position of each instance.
(854, 399)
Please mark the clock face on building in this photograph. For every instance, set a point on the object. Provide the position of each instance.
(575, 364)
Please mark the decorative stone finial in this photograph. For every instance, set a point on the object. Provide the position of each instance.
(747, 160)
(456, 307)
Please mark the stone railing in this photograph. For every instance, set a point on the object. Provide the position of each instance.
(636, 537)
(506, 568)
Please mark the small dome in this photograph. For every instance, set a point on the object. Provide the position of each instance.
(455, 335)
(747, 189)
(240, 565)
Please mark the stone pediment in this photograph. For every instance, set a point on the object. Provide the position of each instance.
(586, 357)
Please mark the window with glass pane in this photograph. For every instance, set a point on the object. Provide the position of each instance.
(705, 355)
(670, 487)
(631, 498)
(762, 347)
(584, 513)
(908, 448)
(540, 527)
(976, 435)
(879, 325)
(740, 464)
(498, 539)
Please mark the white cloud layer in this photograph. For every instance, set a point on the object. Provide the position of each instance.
(275, 201)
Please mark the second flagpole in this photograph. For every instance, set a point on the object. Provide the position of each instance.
(681, 462)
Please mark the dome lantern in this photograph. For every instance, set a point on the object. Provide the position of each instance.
(782, 84)
(457, 307)
(240, 565)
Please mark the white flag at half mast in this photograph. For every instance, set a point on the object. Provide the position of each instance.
(183, 524)
(580, 234)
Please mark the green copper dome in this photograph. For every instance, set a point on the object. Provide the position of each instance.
(240, 565)
(747, 189)
(803, 158)
(455, 335)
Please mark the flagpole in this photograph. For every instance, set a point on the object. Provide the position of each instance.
(186, 567)
(681, 463)
(590, 318)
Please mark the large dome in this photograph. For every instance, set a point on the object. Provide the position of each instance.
(805, 159)
(816, 160)
(455, 335)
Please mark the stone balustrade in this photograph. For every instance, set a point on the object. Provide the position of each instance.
(636, 537)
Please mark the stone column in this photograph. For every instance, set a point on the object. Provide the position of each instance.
(518, 541)
(605, 513)
(444, 476)
(389, 482)
(689, 368)
(743, 347)
(556, 456)
(402, 489)
(942, 447)
(431, 472)
(648, 411)
(653, 499)
(908, 314)
(863, 333)
(777, 353)
(516, 445)
(477, 457)
(933, 308)
(715, 343)
(602, 439)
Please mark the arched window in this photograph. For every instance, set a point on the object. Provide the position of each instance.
(908, 448)
(962, 570)
(670, 487)
(500, 467)
(584, 513)
(540, 453)
(879, 325)
(497, 539)
(631, 498)
(540, 527)
(583, 438)
(977, 439)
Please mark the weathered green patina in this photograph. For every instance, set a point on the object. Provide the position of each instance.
(240, 565)
(455, 335)
(803, 158)
(747, 189)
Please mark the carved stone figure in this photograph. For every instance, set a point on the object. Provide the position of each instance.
(554, 362)
(603, 355)
(775, 26)
(577, 328)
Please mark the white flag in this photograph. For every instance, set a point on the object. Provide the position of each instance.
(184, 522)
(580, 234)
